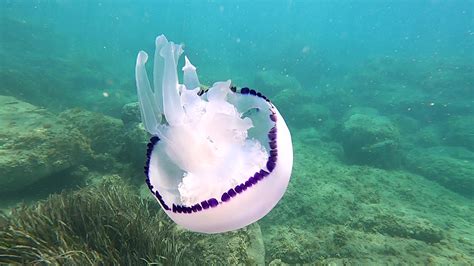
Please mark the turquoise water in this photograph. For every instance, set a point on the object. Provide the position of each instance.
(378, 96)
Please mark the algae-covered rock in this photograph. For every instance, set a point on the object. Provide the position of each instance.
(136, 137)
(371, 140)
(460, 131)
(450, 172)
(35, 144)
(303, 114)
(270, 82)
(130, 113)
(414, 228)
(105, 133)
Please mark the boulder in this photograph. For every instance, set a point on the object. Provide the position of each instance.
(460, 131)
(270, 82)
(105, 133)
(456, 174)
(35, 144)
(371, 140)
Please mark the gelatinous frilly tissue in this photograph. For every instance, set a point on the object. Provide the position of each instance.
(218, 159)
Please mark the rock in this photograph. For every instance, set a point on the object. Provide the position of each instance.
(105, 133)
(371, 140)
(271, 82)
(239, 247)
(453, 173)
(461, 131)
(293, 246)
(388, 224)
(136, 138)
(35, 144)
(300, 110)
(131, 113)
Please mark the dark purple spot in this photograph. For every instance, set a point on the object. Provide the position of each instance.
(270, 165)
(273, 117)
(194, 208)
(243, 186)
(198, 207)
(158, 195)
(238, 189)
(272, 159)
(179, 209)
(233, 88)
(225, 197)
(272, 136)
(253, 92)
(274, 152)
(273, 144)
(204, 204)
(213, 202)
(189, 210)
(248, 183)
(174, 207)
(253, 180)
(259, 94)
(273, 130)
(264, 173)
(154, 139)
(147, 181)
(245, 90)
(231, 192)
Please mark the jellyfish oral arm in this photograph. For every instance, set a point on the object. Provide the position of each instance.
(213, 165)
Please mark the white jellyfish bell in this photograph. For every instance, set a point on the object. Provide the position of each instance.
(219, 159)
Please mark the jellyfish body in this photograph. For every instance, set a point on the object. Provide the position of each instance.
(218, 160)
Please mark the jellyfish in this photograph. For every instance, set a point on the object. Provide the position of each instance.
(220, 158)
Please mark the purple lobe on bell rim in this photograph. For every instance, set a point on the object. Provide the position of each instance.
(213, 202)
(225, 197)
(205, 205)
(231, 192)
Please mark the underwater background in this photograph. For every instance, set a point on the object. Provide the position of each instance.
(378, 95)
